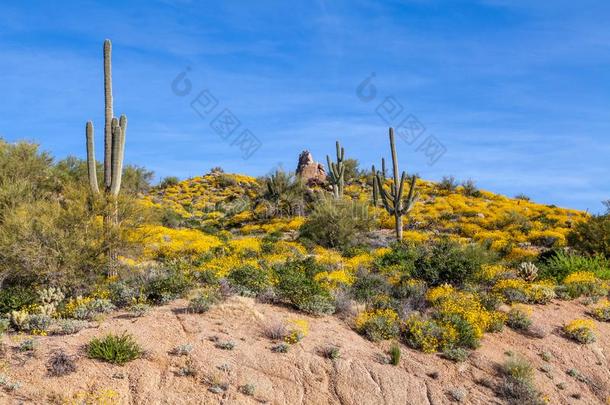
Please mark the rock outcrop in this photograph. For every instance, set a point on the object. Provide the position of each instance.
(309, 170)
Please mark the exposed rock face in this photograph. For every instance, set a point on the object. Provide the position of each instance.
(309, 170)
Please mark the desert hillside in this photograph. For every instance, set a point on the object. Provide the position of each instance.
(234, 289)
(209, 373)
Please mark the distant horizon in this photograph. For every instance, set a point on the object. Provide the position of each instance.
(512, 95)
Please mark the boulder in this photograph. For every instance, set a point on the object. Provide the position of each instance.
(309, 170)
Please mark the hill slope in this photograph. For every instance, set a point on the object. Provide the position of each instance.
(301, 376)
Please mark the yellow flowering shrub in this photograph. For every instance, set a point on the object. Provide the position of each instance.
(297, 330)
(584, 283)
(581, 330)
(159, 241)
(334, 279)
(426, 334)
(601, 311)
(246, 247)
(97, 397)
(377, 324)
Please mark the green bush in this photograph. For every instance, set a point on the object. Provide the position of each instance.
(337, 223)
(297, 286)
(203, 300)
(13, 298)
(401, 257)
(447, 262)
(518, 318)
(517, 385)
(592, 237)
(116, 349)
(559, 265)
(369, 285)
(249, 280)
(167, 285)
(456, 354)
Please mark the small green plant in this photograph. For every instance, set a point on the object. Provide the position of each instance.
(331, 352)
(456, 354)
(61, 364)
(227, 345)
(4, 325)
(602, 311)
(182, 350)
(519, 318)
(517, 385)
(280, 348)
(189, 368)
(204, 300)
(68, 326)
(457, 394)
(27, 345)
(138, 309)
(395, 354)
(116, 349)
(247, 389)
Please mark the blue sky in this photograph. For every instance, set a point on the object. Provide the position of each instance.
(517, 92)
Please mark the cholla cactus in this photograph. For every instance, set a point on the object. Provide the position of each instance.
(528, 271)
(51, 295)
(19, 319)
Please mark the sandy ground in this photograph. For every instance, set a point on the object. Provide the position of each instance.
(301, 376)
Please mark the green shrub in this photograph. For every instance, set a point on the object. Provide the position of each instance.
(456, 354)
(297, 286)
(517, 385)
(203, 300)
(91, 309)
(519, 318)
(378, 324)
(249, 280)
(116, 349)
(401, 257)
(4, 325)
(561, 264)
(13, 298)
(68, 326)
(447, 262)
(592, 237)
(337, 223)
(369, 285)
(167, 285)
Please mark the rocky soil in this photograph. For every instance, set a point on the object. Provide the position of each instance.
(301, 376)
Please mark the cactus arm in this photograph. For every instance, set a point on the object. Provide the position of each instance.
(119, 128)
(91, 166)
(385, 198)
(108, 114)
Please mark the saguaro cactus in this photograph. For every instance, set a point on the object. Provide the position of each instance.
(392, 200)
(336, 171)
(375, 187)
(114, 152)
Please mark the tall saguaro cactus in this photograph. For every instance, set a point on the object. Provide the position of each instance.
(114, 152)
(336, 171)
(393, 199)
